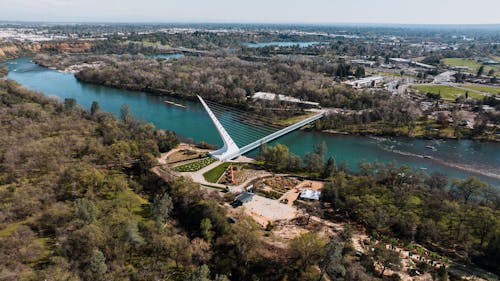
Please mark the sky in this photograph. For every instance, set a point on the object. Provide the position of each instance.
(255, 11)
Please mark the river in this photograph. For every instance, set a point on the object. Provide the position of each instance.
(456, 159)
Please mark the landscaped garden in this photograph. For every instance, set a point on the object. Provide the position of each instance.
(194, 166)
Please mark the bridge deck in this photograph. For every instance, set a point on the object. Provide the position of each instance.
(230, 150)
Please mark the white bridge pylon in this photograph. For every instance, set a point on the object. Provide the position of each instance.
(229, 146)
(230, 150)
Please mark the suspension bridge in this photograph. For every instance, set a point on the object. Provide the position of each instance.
(242, 132)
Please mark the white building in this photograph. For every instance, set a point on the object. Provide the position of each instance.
(367, 82)
(271, 96)
(310, 194)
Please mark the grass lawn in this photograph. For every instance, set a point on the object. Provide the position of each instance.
(484, 89)
(446, 92)
(471, 64)
(214, 174)
(393, 74)
(295, 119)
(195, 166)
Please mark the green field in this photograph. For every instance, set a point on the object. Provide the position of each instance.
(446, 92)
(214, 174)
(195, 166)
(471, 64)
(484, 89)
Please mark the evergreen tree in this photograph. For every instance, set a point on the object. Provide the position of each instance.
(98, 264)
(360, 72)
(86, 210)
(206, 229)
(125, 114)
(162, 207)
(330, 167)
(94, 108)
(480, 71)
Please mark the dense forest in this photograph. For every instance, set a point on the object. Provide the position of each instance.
(226, 80)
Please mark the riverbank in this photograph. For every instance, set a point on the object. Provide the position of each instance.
(426, 130)
(421, 137)
(192, 123)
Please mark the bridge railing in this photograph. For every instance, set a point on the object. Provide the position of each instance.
(275, 135)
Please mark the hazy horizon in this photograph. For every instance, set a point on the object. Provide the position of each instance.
(321, 12)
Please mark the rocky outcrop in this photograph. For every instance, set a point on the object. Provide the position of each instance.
(10, 50)
(72, 47)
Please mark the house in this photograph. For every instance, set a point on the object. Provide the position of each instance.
(308, 194)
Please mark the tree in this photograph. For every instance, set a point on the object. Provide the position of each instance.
(330, 193)
(94, 108)
(307, 249)
(245, 238)
(480, 71)
(437, 181)
(201, 273)
(484, 221)
(98, 264)
(166, 140)
(162, 207)
(313, 162)
(332, 262)
(330, 167)
(360, 72)
(206, 230)
(86, 210)
(59, 269)
(69, 103)
(125, 114)
(201, 251)
(277, 157)
(491, 72)
(386, 258)
(320, 149)
(179, 249)
(132, 236)
(146, 162)
(467, 189)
